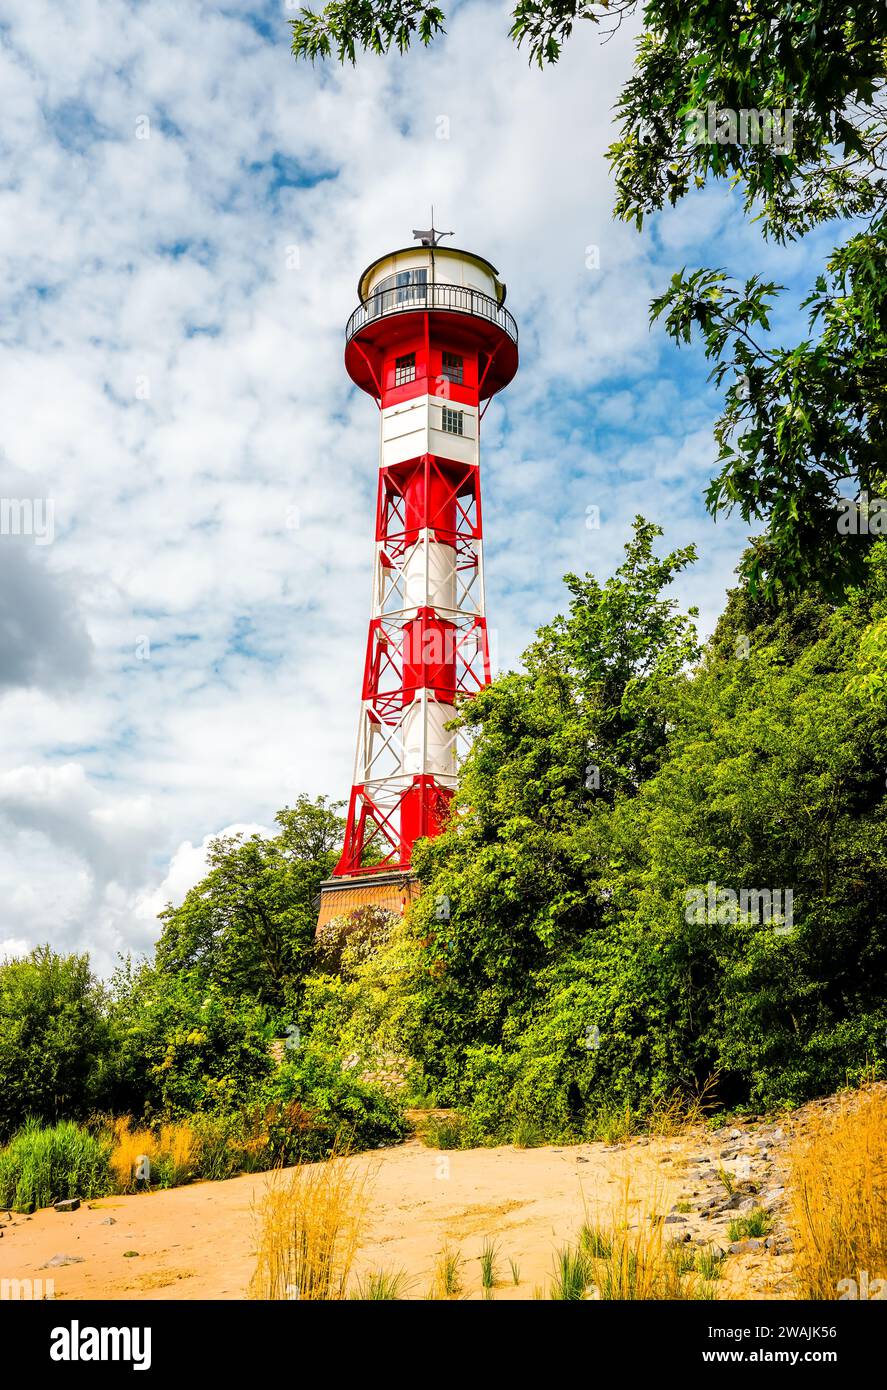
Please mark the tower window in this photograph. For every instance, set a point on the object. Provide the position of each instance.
(452, 421)
(453, 368)
(405, 369)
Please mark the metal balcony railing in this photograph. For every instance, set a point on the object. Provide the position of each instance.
(402, 299)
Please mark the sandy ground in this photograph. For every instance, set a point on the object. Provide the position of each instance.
(198, 1241)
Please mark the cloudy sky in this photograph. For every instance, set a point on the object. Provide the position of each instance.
(183, 216)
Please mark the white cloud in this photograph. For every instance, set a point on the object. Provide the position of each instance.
(194, 655)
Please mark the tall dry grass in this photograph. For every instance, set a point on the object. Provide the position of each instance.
(628, 1258)
(839, 1195)
(673, 1114)
(130, 1146)
(310, 1220)
(171, 1153)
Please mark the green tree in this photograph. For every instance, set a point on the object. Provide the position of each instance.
(515, 881)
(53, 1038)
(248, 927)
(180, 1045)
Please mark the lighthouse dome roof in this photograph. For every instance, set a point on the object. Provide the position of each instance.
(449, 265)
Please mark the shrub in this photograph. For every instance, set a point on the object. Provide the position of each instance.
(321, 1102)
(443, 1132)
(42, 1165)
(345, 943)
(757, 1223)
(181, 1050)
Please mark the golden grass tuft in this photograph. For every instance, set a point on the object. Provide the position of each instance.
(446, 1280)
(310, 1222)
(177, 1148)
(170, 1154)
(839, 1196)
(130, 1145)
(628, 1259)
(674, 1114)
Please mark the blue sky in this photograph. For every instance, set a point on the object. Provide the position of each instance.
(183, 216)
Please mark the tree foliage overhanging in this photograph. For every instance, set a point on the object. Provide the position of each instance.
(802, 423)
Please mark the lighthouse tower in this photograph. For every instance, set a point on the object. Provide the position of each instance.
(431, 341)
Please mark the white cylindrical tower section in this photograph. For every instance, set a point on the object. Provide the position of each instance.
(429, 576)
(424, 722)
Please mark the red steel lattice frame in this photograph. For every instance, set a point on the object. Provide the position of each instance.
(418, 654)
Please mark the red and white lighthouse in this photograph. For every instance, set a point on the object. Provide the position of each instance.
(431, 341)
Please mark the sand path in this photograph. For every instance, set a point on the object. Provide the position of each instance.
(198, 1241)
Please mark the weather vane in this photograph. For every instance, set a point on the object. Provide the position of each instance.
(431, 237)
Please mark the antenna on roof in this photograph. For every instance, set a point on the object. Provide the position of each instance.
(431, 237)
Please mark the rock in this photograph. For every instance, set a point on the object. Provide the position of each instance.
(729, 1153)
(108, 1221)
(579, 1158)
(69, 1204)
(745, 1247)
(772, 1197)
(733, 1202)
(59, 1261)
(130, 1254)
(735, 1133)
(670, 1220)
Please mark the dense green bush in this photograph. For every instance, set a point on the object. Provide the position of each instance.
(333, 1106)
(42, 1165)
(181, 1048)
